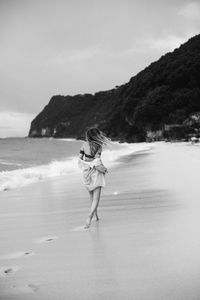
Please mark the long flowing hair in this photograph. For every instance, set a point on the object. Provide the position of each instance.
(96, 139)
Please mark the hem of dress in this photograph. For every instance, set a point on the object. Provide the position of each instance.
(101, 186)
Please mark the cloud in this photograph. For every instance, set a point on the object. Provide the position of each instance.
(77, 55)
(151, 45)
(14, 124)
(70, 47)
(190, 11)
(143, 45)
(168, 43)
(189, 17)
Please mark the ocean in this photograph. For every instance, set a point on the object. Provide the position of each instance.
(25, 160)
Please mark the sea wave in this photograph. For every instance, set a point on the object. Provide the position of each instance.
(111, 157)
(24, 176)
(67, 140)
(8, 163)
(21, 177)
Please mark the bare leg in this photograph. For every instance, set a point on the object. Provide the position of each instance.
(91, 200)
(95, 202)
(94, 206)
(91, 196)
(88, 221)
(97, 217)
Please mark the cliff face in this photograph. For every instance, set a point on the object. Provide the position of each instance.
(166, 92)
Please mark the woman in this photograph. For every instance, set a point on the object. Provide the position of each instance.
(93, 169)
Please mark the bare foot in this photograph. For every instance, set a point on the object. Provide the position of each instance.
(97, 219)
(88, 222)
(87, 226)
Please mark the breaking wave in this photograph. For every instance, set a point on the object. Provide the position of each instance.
(24, 176)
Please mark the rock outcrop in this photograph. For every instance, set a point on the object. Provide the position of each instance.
(165, 93)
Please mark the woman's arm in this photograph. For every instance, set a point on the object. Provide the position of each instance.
(98, 154)
(81, 153)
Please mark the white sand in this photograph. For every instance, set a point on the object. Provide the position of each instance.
(146, 245)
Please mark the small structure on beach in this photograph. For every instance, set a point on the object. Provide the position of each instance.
(153, 136)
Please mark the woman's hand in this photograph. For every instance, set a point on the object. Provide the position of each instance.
(101, 168)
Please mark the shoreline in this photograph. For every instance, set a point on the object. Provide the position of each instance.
(144, 246)
(20, 175)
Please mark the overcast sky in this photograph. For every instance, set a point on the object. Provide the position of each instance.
(78, 46)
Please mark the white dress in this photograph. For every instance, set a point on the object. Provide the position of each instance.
(92, 178)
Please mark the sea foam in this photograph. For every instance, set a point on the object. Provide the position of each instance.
(21, 177)
(24, 176)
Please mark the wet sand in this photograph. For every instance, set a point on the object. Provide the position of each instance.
(145, 246)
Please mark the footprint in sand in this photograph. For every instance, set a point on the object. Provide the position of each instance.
(79, 228)
(46, 239)
(34, 287)
(29, 288)
(16, 291)
(8, 271)
(16, 255)
(82, 228)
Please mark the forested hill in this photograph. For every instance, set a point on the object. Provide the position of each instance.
(166, 92)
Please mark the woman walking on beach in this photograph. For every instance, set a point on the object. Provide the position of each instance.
(93, 168)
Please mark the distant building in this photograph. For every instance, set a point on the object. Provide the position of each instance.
(154, 135)
(168, 127)
(176, 131)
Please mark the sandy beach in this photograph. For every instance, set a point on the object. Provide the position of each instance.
(146, 245)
